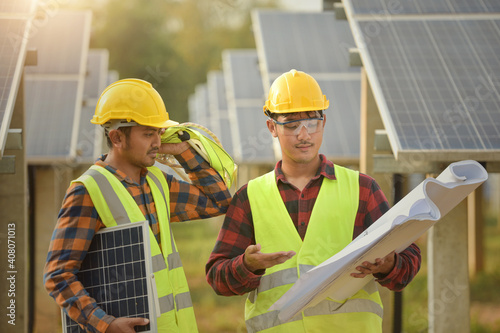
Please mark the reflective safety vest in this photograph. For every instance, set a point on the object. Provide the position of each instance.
(329, 230)
(115, 205)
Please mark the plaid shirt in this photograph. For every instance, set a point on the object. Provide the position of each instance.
(78, 221)
(225, 270)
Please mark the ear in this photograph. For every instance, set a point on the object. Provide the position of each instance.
(116, 138)
(324, 120)
(272, 128)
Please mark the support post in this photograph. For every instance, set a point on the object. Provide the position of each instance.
(370, 122)
(448, 276)
(476, 226)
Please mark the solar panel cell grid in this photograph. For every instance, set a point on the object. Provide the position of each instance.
(385, 7)
(439, 80)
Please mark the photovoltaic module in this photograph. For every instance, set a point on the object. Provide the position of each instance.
(117, 273)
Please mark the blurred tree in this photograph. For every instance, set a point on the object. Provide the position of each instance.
(171, 43)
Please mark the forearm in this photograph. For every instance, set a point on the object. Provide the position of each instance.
(206, 196)
(406, 267)
(73, 299)
(229, 277)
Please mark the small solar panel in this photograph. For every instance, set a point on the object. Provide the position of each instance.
(404, 7)
(117, 273)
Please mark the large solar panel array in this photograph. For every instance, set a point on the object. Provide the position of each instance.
(391, 7)
(436, 82)
(90, 136)
(117, 272)
(245, 97)
(317, 44)
(218, 121)
(15, 24)
(54, 88)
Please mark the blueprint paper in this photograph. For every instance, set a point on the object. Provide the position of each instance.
(394, 231)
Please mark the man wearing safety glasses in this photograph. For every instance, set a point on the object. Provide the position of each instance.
(284, 223)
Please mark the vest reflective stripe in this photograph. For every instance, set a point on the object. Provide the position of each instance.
(328, 232)
(183, 301)
(159, 186)
(326, 307)
(116, 206)
(174, 260)
(282, 277)
(114, 203)
(166, 303)
(158, 263)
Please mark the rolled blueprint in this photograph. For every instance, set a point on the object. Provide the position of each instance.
(394, 231)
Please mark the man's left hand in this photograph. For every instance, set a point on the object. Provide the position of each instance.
(381, 266)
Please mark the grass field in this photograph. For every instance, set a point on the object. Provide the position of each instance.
(218, 314)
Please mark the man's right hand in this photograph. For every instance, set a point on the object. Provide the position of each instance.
(255, 260)
(126, 325)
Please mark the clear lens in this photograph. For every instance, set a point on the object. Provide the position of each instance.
(293, 127)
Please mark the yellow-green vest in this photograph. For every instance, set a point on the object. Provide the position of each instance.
(115, 205)
(329, 230)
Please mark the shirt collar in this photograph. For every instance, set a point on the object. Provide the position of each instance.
(119, 174)
(326, 169)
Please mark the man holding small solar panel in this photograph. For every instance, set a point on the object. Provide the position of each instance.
(122, 187)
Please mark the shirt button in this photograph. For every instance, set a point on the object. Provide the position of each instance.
(302, 223)
(302, 195)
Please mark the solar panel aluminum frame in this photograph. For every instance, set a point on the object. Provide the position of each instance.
(153, 303)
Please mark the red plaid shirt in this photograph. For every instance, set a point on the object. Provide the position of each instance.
(225, 270)
(78, 221)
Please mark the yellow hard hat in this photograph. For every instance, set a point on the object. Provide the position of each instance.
(295, 91)
(132, 100)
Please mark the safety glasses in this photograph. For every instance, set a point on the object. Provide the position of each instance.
(293, 127)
